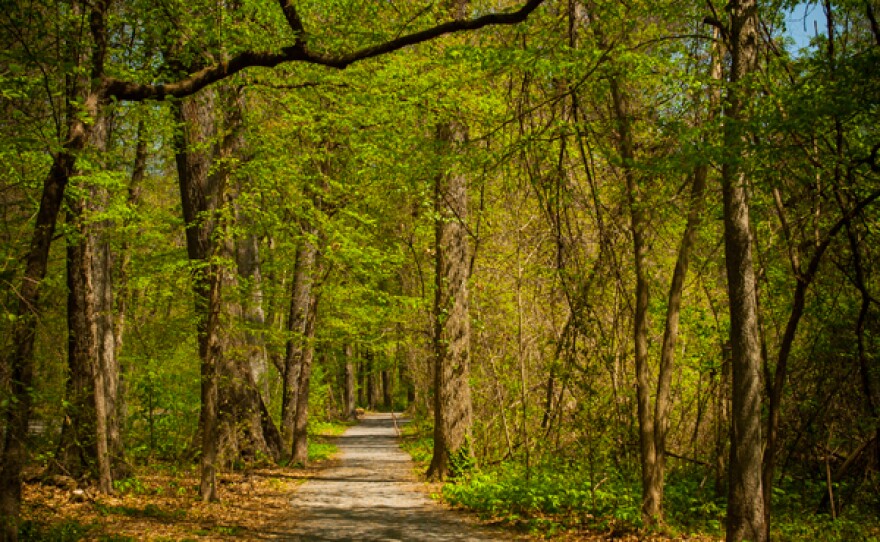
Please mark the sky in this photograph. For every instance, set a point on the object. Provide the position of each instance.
(802, 22)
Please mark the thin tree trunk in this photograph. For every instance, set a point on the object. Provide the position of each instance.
(372, 392)
(77, 452)
(297, 323)
(386, 389)
(300, 451)
(107, 351)
(673, 311)
(362, 382)
(745, 505)
(247, 257)
(652, 497)
(105, 363)
(349, 392)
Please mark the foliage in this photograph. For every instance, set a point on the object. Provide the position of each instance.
(347, 159)
(551, 496)
(417, 440)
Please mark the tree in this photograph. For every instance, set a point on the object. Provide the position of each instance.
(745, 505)
(452, 399)
(94, 96)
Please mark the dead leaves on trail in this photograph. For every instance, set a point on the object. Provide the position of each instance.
(163, 504)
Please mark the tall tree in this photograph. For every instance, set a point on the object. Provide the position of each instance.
(83, 103)
(298, 340)
(452, 396)
(745, 504)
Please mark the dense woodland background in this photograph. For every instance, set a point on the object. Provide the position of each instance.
(520, 234)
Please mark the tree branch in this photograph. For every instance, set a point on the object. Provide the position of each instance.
(292, 17)
(298, 52)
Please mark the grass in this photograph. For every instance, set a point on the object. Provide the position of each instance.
(329, 428)
(322, 433)
(321, 451)
(416, 440)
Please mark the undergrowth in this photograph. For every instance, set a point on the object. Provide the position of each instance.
(557, 496)
(320, 448)
(416, 440)
(549, 498)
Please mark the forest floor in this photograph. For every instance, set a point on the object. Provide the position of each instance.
(368, 491)
(162, 504)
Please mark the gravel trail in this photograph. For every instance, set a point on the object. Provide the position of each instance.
(373, 495)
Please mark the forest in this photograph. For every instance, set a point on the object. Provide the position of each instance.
(618, 261)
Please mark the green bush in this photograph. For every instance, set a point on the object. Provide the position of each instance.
(548, 496)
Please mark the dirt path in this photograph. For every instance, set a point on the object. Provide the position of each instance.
(373, 495)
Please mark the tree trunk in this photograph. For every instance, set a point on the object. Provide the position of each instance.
(201, 196)
(247, 257)
(77, 452)
(19, 362)
(673, 311)
(362, 382)
(96, 446)
(745, 506)
(348, 409)
(451, 318)
(300, 452)
(652, 485)
(233, 422)
(372, 392)
(109, 370)
(297, 324)
(386, 389)
(106, 366)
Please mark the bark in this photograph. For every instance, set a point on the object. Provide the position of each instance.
(200, 196)
(371, 382)
(300, 452)
(348, 408)
(247, 257)
(93, 373)
(451, 319)
(362, 383)
(233, 423)
(297, 326)
(651, 483)
(77, 452)
(19, 361)
(745, 506)
(105, 367)
(109, 369)
(96, 449)
(386, 389)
